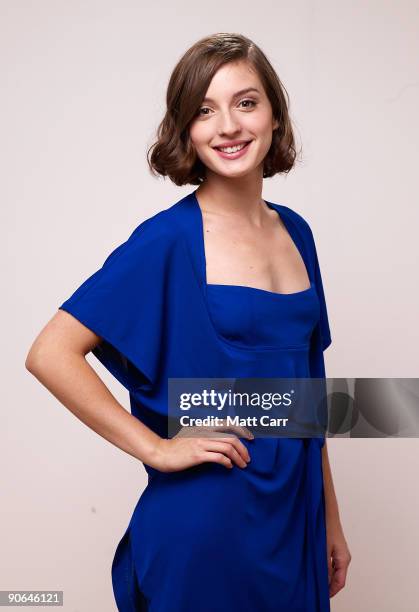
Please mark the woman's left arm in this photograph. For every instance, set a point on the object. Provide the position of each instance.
(338, 555)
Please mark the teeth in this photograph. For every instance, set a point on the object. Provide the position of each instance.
(232, 149)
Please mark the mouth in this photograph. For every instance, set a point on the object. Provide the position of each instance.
(233, 152)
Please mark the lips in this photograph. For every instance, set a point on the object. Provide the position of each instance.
(235, 143)
(236, 154)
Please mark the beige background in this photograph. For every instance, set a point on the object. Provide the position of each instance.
(83, 87)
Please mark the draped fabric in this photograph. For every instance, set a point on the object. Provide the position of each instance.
(155, 315)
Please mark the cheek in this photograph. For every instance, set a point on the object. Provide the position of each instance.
(260, 123)
(200, 137)
(200, 134)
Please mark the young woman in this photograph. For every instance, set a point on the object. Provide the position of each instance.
(220, 284)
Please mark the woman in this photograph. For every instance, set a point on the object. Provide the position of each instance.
(220, 284)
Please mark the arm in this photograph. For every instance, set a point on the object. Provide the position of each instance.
(332, 510)
(338, 555)
(57, 360)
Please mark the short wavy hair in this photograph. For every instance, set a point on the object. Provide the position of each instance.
(173, 153)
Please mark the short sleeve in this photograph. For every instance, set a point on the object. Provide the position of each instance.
(123, 303)
(324, 328)
(321, 337)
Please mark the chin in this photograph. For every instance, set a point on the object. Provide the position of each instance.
(237, 174)
(233, 173)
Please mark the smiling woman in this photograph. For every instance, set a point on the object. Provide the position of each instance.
(254, 123)
(221, 284)
(234, 88)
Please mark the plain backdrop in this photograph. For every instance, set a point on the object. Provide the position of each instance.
(82, 92)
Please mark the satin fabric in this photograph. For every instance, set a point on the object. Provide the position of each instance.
(208, 538)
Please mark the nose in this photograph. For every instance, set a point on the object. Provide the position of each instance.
(228, 124)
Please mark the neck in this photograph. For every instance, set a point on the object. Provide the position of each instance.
(234, 198)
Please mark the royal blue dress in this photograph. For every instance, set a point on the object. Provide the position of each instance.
(210, 538)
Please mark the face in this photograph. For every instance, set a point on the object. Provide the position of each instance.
(230, 116)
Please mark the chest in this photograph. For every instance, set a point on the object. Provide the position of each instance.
(265, 258)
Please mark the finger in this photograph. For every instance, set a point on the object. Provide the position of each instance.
(243, 432)
(241, 448)
(338, 582)
(227, 449)
(330, 570)
(214, 457)
(238, 445)
(238, 430)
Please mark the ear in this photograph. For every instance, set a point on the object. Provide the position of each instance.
(275, 124)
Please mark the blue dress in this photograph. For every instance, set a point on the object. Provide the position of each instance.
(210, 538)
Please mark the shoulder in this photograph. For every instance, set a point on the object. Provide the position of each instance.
(164, 225)
(161, 229)
(152, 239)
(296, 218)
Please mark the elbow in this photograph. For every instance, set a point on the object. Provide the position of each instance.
(32, 360)
(36, 356)
(28, 362)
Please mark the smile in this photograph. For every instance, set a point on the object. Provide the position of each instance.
(233, 152)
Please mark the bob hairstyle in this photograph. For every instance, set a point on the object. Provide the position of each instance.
(173, 154)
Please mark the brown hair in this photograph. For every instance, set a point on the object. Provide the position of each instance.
(173, 154)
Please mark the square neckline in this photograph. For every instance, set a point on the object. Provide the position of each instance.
(259, 290)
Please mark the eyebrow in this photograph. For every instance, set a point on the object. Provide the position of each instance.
(238, 93)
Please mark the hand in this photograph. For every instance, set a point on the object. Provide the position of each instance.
(194, 445)
(338, 556)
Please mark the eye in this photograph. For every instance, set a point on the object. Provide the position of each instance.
(202, 109)
(252, 102)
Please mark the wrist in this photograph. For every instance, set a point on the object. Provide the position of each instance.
(156, 455)
(333, 519)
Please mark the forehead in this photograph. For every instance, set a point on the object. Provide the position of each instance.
(232, 78)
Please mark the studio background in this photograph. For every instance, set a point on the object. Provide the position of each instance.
(83, 91)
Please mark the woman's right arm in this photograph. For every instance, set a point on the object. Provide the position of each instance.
(57, 358)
